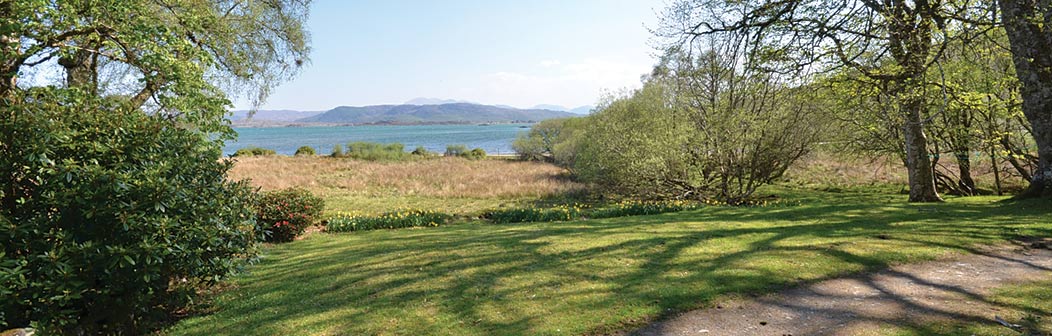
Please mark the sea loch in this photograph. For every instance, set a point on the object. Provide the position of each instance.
(495, 139)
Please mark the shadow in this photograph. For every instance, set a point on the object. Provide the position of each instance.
(921, 299)
(592, 277)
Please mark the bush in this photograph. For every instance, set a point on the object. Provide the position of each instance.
(390, 220)
(422, 152)
(552, 140)
(305, 151)
(372, 151)
(558, 213)
(462, 151)
(253, 151)
(475, 154)
(656, 142)
(283, 215)
(337, 151)
(110, 217)
(456, 150)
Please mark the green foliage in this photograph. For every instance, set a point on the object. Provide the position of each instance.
(456, 150)
(638, 208)
(422, 152)
(283, 215)
(115, 203)
(253, 151)
(337, 151)
(475, 154)
(344, 222)
(305, 151)
(462, 151)
(110, 217)
(552, 140)
(673, 141)
(581, 211)
(371, 151)
(522, 215)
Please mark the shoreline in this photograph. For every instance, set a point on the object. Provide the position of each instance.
(282, 124)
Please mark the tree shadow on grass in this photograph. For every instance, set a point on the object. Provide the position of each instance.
(590, 277)
(924, 300)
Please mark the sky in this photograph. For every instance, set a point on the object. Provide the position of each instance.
(518, 53)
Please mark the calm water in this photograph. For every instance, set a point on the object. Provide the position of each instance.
(495, 139)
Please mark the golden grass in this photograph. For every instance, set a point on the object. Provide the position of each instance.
(383, 186)
(841, 171)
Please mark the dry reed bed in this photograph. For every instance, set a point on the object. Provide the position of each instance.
(442, 177)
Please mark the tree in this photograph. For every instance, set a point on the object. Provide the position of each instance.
(161, 53)
(891, 42)
(114, 203)
(550, 140)
(1029, 27)
(703, 126)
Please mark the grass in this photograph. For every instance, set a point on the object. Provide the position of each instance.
(451, 185)
(595, 276)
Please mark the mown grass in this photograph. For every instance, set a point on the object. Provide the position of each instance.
(594, 276)
(450, 185)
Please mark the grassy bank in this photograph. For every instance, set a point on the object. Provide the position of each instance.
(451, 185)
(595, 276)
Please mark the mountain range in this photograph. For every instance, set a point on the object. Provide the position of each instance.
(414, 112)
(431, 114)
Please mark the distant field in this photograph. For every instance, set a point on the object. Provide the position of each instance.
(451, 185)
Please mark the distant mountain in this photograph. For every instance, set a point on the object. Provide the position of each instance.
(454, 113)
(433, 101)
(273, 115)
(577, 110)
(587, 109)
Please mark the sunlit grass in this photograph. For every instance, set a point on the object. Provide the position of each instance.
(595, 276)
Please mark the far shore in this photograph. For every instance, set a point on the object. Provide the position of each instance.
(273, 123)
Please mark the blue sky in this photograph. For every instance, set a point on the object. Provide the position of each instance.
(518, 53)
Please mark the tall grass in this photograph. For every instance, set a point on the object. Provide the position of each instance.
(448, 184)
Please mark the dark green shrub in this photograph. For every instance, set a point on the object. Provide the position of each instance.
(456, 150)
(284, 214)
(305, 151)
(475, 154)
(521, 215)
(110, 217)
(253, 151)
(337, 151)
(462, 151)
(422, 152)
(390, 220)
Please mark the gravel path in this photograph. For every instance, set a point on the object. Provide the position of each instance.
(907, 295)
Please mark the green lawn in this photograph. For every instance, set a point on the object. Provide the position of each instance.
(596, 276)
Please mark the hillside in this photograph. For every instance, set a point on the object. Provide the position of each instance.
(431, 114)
(272, 115)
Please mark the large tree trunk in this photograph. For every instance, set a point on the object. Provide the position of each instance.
(1030, 34)
(964, 165)
(9, 54)
(918, 164)
(80, 69)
